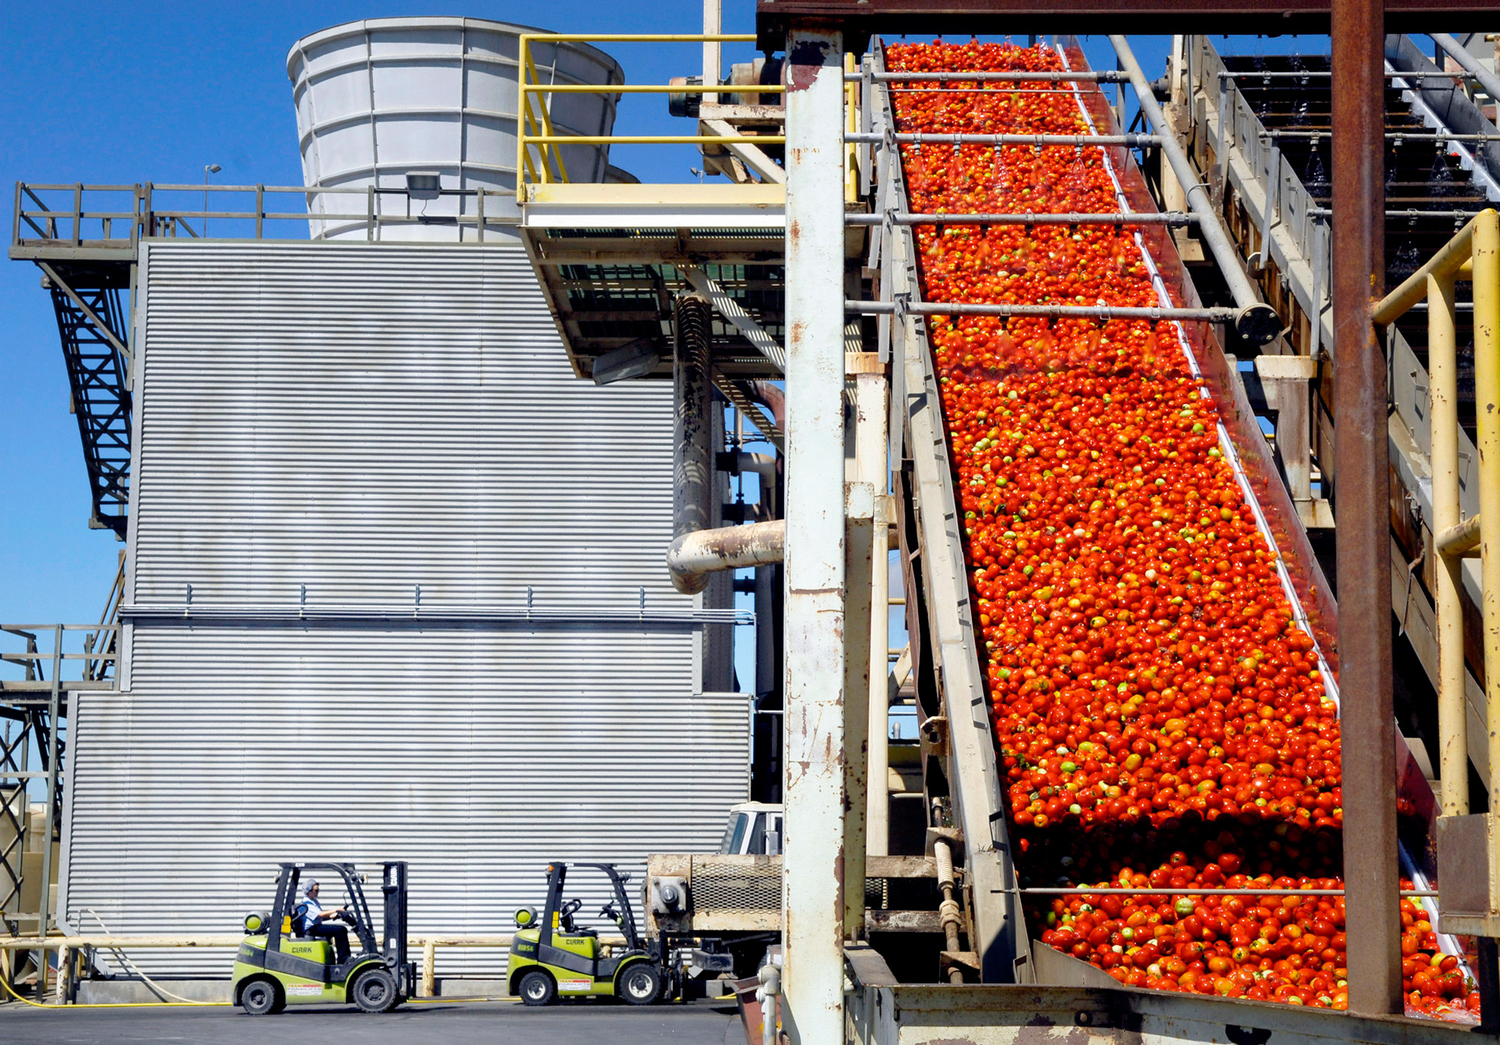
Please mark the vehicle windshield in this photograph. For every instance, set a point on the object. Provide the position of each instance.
(734, 834)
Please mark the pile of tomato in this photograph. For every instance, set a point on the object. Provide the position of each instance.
(1160, 716)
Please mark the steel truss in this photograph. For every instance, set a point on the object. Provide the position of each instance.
(91, 322)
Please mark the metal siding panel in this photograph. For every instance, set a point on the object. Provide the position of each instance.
(362, 420)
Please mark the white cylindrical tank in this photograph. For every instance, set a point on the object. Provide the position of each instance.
(386, 97)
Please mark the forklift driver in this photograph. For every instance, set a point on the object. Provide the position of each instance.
(312, 920)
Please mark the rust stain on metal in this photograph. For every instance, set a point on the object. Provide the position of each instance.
(804, 62)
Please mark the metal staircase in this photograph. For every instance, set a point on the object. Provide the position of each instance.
(91, 323)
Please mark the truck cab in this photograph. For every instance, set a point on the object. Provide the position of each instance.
(754, 829)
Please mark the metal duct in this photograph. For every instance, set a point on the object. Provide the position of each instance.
(692, 432)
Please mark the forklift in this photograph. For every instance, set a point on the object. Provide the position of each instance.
(276, 966)
(550, 955)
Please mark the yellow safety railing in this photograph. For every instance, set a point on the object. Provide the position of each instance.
(538, 153)
(851, 126)
(1473, 253)
(426, 943)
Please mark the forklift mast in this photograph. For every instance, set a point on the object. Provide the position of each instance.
(393, 891)
(557, 873)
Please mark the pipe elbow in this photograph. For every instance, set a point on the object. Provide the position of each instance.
(693, 556)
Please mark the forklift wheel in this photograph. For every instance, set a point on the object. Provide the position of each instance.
(375, 991)
(641, 984)
(260, 997)
(537, 988)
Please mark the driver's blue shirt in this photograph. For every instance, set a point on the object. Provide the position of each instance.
(307, 913)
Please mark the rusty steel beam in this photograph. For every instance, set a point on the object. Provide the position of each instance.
(1362, 509)
(858, 18)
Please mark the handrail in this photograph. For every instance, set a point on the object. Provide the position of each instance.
(538, 145)
(41, 224)
(1474, 253)
(427, 943)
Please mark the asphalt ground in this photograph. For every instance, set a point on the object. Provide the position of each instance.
(709, 1022)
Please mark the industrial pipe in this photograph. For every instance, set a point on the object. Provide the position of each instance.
(693, 556)
(771, 396)
(692, 428)
(1447, 516)
(1011, 218)
(1133, 141)
(942, 851)
(1104, 313)
(1460, 54)
(1256, 321)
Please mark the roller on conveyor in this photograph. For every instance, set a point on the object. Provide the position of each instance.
(1131, 642)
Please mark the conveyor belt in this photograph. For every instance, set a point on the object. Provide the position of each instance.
(1176, 597)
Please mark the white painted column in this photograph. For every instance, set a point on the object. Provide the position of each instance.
(812, 920)
(712, 50)
(871, 419)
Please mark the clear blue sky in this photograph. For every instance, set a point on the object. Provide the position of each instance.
(123, 93)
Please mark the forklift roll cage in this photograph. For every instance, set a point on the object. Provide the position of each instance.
(392, 954)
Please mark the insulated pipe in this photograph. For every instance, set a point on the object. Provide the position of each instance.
(692, 430)
(693, 556)
(1460, 54)
(1256, 321)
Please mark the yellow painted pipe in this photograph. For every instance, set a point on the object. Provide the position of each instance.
(1486, 255)
(1447, 514)
(1446, 262)
(1458, 541)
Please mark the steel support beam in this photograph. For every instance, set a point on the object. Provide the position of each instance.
(862, 512)
(815, 797)
(750, 155)
(1256, 322)
(742, 321)
(1362, 508)
(871, 417)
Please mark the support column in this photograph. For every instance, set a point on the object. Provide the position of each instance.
(1442, 379)
(812, 919)
(871, 417)
(1362, 487)
(862, 511)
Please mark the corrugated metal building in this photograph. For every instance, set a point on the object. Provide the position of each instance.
(395, 590)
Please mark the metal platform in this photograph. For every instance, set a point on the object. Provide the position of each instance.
(611, 258)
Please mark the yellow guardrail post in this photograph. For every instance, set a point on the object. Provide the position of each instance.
(1473, 252)
(1486, 258)
(523, 121)
(851, 125)
(1442, 373)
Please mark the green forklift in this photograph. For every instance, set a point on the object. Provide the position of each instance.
(277, 967)
(552, 956)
